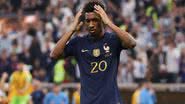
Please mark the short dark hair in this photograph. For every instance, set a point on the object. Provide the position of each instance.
(89, 7)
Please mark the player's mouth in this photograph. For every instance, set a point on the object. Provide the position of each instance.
(92, 30)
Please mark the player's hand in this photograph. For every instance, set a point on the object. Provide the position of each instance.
(21, 91)
(4, 75)
(99, 10)
(75, 26)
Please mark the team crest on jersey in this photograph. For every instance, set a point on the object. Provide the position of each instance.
(96, 52)
(106, 48)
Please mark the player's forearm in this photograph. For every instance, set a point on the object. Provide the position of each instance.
(125, 37)
(59, 48)
(2, 83)
(26, 87)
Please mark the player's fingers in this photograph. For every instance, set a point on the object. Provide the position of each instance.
(79, 26)
(79, 13)
(81, 23)
(98, 7)
(98, 12)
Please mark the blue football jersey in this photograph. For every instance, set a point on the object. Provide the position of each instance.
(98, 62)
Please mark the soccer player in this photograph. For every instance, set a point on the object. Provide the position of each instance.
(20, 85)
(97, 54)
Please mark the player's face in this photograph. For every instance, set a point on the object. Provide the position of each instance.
(56, 88)
(93, 23)
(20, 66)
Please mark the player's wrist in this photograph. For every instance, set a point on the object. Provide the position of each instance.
(109, 23)
(72, 28)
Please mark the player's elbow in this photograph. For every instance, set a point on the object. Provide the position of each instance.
(53, 55)
(133, 44)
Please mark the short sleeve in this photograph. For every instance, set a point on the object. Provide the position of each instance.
(70, 47)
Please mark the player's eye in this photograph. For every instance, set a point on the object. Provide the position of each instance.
(87, 20)
(95, 20)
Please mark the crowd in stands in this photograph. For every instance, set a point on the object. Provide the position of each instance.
(29, 30)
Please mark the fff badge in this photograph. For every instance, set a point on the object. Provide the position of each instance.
(96, 52)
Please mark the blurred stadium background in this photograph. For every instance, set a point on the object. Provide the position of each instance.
(29, 30)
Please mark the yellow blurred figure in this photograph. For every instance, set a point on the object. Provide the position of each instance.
(76, 95)
(135, 97)
(20, 86)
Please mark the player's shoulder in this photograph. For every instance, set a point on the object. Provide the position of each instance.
(110, 35)
(78, 38)
(74, 40)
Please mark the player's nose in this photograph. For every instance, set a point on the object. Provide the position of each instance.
(91, 24)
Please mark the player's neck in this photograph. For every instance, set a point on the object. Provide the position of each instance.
(56, 92)
(98, 36)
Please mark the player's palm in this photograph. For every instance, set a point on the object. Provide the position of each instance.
(76, 23)
(103, 15)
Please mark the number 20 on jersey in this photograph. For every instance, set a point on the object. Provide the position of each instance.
(98, 66)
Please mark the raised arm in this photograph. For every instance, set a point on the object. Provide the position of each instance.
(3, 80)
(59, 47)
(125, 37)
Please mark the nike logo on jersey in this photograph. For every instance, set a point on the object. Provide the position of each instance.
(84, 50)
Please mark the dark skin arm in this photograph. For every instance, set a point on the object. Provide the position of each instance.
(125, 37)
(59, 47)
